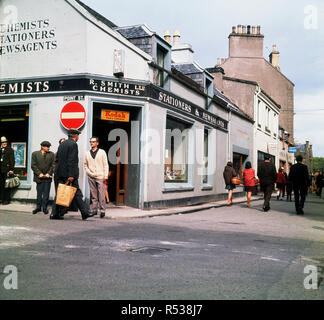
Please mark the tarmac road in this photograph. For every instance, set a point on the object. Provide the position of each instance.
(221, 253)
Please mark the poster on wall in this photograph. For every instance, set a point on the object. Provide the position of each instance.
(19, 149)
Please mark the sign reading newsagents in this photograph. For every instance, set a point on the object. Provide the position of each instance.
(292, 150)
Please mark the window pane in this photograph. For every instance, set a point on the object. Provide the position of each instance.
(176, 152)
(14, 126)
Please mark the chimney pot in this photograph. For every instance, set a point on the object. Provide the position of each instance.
(218, 61)
(176, 37)
(239, 28)
(253, 29)
(222, 60)
(248, 29)
(244, 30)
(167, 36)
(233, 29)
(258, 30)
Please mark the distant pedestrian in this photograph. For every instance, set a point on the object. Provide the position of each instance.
(319, 184)
(67, 170)
(281, 182)
(300, 180)
(285, 185)
(249, 181)
(228, 174)
(7, 165)
(42, 166)
(268, 176)
(97, 168)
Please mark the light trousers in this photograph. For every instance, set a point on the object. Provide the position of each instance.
(97, 194)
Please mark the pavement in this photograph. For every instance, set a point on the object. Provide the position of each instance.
(124, 212)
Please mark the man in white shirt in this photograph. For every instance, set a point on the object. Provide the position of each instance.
(96, 167)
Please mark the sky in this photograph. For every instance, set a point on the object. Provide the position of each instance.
(295, 26)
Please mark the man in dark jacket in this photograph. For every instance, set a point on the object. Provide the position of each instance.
(42, 166)
(67, 169)
(319, 184)
(267, 175)
(299, 177)
(7, 164)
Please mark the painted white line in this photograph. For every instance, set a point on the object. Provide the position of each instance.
(73, 115)
(269, 258)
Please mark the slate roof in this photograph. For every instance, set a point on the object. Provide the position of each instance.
(97, 15)
(134, 32)
(187, 68)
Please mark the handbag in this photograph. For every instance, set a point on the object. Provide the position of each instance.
(256, 181)
(236, 181)
(12, 181)
(65, 194)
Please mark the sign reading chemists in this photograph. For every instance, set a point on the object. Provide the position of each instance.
(27, 36)
(100, 86)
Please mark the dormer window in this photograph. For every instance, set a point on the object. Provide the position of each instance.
(160, 60)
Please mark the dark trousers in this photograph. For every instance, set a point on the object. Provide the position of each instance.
(319, 191)
(4, 193)
(58, 210)
(43, 191)
(267, 189)
(300, 196)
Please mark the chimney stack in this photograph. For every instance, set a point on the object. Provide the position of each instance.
(167, 36)
(274, 57)
(176, 37)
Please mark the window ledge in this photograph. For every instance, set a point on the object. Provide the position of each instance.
(24, 186)
(207, 187)
(177, 188)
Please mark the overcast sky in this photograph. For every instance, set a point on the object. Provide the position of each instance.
(296, 26)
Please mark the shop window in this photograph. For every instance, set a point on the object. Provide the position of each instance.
(176, 151)
(238, 163)
(261, 157)
(14, 121)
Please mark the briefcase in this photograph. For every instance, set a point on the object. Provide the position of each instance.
(65, 194)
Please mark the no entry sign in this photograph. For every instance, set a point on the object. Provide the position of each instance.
(73, 115)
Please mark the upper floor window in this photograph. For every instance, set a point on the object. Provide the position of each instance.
(160, 60)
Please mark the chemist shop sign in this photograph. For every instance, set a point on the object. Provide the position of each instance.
(27, 36)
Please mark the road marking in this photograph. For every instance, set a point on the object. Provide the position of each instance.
(269, 258)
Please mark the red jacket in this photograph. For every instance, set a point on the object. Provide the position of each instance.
(281, 178)
(248, 176)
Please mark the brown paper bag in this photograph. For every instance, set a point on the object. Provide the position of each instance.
(65, 194)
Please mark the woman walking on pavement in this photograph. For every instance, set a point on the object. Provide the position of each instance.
(281, 182)
(228, 174)
(249, 181)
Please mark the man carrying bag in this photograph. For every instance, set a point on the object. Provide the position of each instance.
(67, 169)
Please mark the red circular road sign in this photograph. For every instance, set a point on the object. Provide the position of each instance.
(73, 115)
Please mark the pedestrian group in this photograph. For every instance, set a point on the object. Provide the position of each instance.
(298, 181)
(63, 167)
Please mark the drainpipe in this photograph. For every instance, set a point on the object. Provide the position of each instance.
(255, 128)
(229, 153)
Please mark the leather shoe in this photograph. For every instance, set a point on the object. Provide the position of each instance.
(102, 214)
(265, 209)
(36, 210)
(52, 217)
(45, 211)
(5, 202)
(88, 215)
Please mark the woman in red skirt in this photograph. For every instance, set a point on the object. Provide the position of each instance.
(249, 182)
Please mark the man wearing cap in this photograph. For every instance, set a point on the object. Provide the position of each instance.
(42, 166)
(67, 169)
(268, 175)
(299, 177)
(7, 164)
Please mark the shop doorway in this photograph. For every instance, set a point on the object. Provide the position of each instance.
(123, 180)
